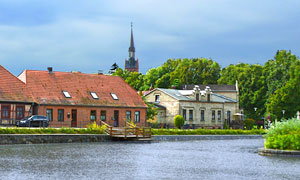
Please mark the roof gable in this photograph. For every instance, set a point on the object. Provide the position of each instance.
(213, 87)
(182, 95)
(11, 88)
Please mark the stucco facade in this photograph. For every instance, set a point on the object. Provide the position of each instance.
(200, 108)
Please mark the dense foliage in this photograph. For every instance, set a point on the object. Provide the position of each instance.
(178, 121)
(90, 130)
(207, 132)
(284, 135)
(172, 72)
(270, 88)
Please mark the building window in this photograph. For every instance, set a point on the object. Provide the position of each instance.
(60, 115)
(190, 115)
(219, 115)
(50, 114)
(66, 94)
(5, 112)
(208, 98)
(137, 116)
(213, 115)
(94, 95)
(103, 115)
(128, 115)
(20, 112)
(184, 114)
(93, 115)
(202, 115)
(197, 96)
(114, 96)
(156, 98)
(228, 116)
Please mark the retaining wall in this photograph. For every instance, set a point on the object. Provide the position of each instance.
(51, 138)
(70, 138)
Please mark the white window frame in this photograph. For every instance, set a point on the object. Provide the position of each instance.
(114, 96)
(66, 94)
(94, 95)
(157, 97)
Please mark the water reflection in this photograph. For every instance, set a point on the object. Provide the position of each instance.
(218, 159)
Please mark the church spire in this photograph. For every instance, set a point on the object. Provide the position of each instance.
(132, 64)
(131, 49)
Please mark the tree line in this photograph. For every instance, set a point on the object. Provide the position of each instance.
(268, 88)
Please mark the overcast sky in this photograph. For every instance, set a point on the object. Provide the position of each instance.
(90, 35)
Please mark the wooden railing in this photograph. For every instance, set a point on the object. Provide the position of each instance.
(108, 130)
(127, 132)
(129, 124)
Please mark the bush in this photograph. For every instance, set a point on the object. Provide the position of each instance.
(207, 132)
(284, 135)
(248, 123)
(178, 121)
(92, 129)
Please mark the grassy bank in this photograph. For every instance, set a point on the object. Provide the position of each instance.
(89, 130)
(207, 132)
(284, 135)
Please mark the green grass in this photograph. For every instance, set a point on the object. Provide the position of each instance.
(284, 135)
(207, 132)
(90, 130)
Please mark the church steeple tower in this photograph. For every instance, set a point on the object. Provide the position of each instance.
(131, 64)
(131, 49)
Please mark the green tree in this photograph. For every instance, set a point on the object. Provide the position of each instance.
(251, 87)
(286, 97)
(178, 121)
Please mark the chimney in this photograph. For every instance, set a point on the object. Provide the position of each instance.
(100, 72)
(50, 69)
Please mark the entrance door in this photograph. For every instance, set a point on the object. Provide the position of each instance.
(74, 118)
(116, 118)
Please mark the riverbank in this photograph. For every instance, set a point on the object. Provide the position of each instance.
(84, 138)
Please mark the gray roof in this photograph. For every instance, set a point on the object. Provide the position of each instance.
(213, 87)
(175, 93)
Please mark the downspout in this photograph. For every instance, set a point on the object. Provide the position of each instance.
(32, 108)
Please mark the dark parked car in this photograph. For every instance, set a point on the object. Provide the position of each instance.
(33, 121)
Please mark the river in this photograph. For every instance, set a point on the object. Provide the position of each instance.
(206, 159)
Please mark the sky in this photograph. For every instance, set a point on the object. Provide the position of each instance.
(91, 35)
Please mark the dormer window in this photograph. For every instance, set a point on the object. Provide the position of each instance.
(66, 94)
(208, 98)
(114, 96)
(94, 95)
(156, 98)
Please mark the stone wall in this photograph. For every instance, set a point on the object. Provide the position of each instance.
(53, 138)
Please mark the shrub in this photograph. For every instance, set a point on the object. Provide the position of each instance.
(207, 131)
(178, 121)
(248, 123)
(284, 135)
(92, 129)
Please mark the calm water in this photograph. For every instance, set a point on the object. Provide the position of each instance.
(217, 159)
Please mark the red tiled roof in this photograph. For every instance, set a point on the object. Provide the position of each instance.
(11, 88)
(49, 86)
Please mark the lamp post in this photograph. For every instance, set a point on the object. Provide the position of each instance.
(255, 109)
(283, 111)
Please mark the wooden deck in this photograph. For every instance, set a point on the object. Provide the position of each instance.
(129, 132)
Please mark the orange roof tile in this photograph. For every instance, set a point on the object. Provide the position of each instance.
(11, 88)
(49, 86)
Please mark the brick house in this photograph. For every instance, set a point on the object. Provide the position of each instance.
(75, 99)
(200, 105)
(15, 102)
